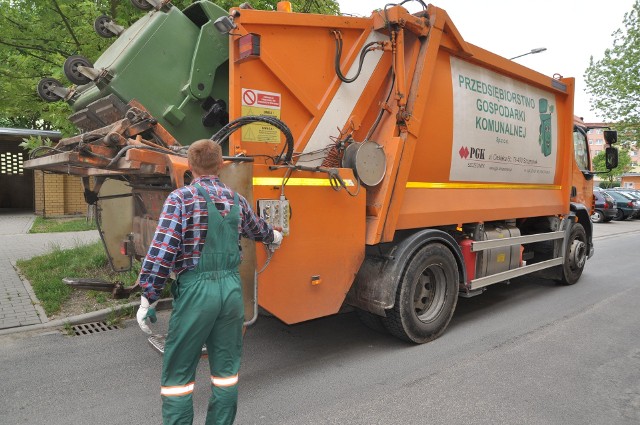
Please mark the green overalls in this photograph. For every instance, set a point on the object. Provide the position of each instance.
(207, 309)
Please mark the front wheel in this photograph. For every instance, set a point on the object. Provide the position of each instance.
(575, 255)
(426, 296)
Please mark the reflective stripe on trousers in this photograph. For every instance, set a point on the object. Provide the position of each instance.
(224, 382)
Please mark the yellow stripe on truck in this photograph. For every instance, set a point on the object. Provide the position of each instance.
(293, 181)
(427, 185)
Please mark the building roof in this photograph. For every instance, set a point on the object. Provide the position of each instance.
(598, 124)
(17, 134)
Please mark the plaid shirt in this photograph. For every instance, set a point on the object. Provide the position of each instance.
(182, 229)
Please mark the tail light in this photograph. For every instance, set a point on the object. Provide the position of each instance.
(630, 204)
(126, 247)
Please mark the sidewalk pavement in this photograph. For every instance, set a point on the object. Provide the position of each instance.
(18, 304)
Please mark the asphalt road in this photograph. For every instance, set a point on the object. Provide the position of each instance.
(529, 352)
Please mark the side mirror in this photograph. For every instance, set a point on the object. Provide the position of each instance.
(611, 157)
(611, 137)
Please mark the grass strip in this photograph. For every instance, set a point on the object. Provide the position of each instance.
(45, 273)
(54, 225)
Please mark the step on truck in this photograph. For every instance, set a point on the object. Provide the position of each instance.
(406, 165)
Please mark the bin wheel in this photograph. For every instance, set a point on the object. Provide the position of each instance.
(426, 296)
(576, 255)
(71, 69)
(100, 28)
(142, 4)
(46, 87)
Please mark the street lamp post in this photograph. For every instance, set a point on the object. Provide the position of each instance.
(531, 52)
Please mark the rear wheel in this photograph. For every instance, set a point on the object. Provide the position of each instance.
(597, 216)
(426, 296)
(370, 320)
(575, 256)
(619, 215)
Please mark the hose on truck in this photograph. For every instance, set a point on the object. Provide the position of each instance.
(366, 49)
(226, 131)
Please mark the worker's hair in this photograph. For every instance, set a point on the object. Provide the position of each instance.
(205, 157)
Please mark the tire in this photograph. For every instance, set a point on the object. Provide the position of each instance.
(426, 296)
(576, 255)
(142, 4)
(100, 28)
(46, 87)
(619, 215)
(370, 320)
(72, 72)
(597, 216)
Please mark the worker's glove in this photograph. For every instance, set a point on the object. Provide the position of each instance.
(145, 311)
(277, 240)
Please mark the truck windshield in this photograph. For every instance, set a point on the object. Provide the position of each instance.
(581, 150)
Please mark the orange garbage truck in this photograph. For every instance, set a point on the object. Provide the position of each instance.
(407, 166)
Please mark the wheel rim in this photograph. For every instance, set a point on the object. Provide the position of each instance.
(596, 217)
(76, 72)
(429, 293)
(577, 254)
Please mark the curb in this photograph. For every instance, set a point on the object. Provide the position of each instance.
(34, 300)
(94, 316)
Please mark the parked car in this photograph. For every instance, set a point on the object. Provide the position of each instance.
(627, 206)
(605, 207)
(634, 193)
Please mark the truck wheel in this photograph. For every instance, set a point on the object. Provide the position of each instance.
(426, 296)
(597, 216)
(576, 255)
(370, 320)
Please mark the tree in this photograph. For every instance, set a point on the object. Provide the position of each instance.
(613, 81)
(624, 164)
(36, 37)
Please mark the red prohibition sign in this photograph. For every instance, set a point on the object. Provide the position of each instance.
(249, 97)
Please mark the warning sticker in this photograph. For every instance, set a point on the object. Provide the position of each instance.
(258, 102)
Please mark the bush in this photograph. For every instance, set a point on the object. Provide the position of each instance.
(609, 185)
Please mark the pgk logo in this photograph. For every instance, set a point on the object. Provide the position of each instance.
(473, 153)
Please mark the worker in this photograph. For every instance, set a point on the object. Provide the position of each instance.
(197, 238)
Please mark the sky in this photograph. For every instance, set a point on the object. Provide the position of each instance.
(571, 30)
